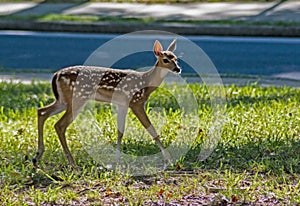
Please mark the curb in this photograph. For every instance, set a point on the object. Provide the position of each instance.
(178, 28)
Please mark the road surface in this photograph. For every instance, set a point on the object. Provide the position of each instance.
(230, 55)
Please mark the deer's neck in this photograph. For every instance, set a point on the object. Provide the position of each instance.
(155, 75)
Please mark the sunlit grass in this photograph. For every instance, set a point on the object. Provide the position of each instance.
(256, 160)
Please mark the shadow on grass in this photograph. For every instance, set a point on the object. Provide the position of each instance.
(248, 100)
(269, 156)
(263, 156)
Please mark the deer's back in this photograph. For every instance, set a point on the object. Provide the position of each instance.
(100, 83)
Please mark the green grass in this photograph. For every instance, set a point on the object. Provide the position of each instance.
(256, 160)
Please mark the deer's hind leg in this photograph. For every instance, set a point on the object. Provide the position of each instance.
(43, 114)
(62, 125)
(122, 112)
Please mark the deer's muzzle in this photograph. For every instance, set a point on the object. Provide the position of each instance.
(177, 70)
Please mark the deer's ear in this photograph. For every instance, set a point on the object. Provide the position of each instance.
(157, 48)
(172, 46)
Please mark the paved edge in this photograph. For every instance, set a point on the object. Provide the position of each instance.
(178, 28)
(28, 78)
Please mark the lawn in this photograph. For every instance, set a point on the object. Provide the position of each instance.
(256, 160)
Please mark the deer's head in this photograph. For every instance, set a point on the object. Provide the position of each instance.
(167, 59)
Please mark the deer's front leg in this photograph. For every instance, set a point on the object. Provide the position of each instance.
(122, 112)
(140, 112)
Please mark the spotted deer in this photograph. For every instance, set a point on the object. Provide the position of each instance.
(74, 86)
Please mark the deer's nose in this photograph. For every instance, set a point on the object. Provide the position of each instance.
(177, 70)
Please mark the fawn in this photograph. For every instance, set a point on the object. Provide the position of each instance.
(74, 86)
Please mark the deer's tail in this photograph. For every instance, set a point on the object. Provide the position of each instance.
(54, 86)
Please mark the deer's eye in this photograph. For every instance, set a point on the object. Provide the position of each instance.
(166, 61)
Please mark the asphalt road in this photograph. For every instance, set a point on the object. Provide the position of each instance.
(230, 55)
